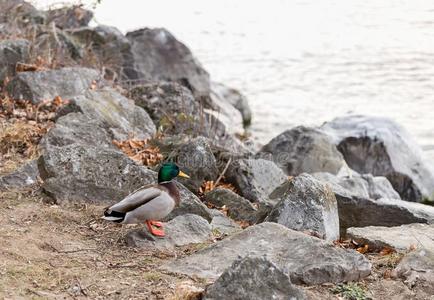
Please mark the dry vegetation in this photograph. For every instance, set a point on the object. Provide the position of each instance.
(22, 125)
(141, 151)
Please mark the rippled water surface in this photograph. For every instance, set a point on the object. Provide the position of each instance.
(306, 62)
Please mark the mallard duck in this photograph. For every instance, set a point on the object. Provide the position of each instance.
(149, 203)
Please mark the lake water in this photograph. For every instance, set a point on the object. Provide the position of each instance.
(306, 61)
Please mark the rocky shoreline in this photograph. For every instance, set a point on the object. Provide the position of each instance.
(113, 107)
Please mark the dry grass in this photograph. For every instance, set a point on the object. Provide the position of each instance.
(18, 144)
(20, 138)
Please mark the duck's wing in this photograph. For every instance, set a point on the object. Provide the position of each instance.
(136, 199)
(156, 209)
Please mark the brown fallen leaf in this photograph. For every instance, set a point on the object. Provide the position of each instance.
(206, 187)
(363, 249)
(387, 251)
(243, 224)
(22, 67)
(58, 101)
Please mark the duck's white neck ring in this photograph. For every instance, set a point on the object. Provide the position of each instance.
(165, 182)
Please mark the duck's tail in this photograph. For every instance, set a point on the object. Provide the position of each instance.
(113, 216)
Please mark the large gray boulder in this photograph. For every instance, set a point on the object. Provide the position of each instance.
(117, 114)
(236, 99)
(45, 85)
(78, 128)
(170, 105)
(11, 53)
(381, 147)
(305, 259)
(361, 212)
(174, 110)
(239, 208)
(306, 204)
(158, 55)
(180, 231)
(253, 278)
(255, 179)
(197, 160)
(84, 172)
(110, 48)
(367, 186)
(303, 149)
(400, 238)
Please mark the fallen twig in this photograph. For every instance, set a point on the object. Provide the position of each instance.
(223, 172)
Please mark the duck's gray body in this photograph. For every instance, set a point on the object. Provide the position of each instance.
(152, 202)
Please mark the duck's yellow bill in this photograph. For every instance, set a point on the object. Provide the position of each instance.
(182, 174)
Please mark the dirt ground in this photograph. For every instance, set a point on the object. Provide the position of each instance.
(56, 252)
(67, 252)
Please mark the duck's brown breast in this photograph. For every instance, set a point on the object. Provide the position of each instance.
(173, 191)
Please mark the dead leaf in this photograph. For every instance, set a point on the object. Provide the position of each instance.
(387, 251)
(22, 67)
(27, 123)
(208, 186)
(140, 151)
(363, 250)
(243, 224)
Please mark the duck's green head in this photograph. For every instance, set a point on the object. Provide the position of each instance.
(168, 171)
